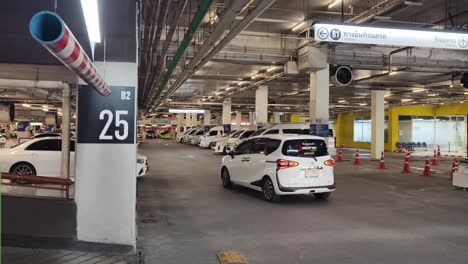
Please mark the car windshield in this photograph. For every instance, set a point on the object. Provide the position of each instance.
(307, 148)
(236, 134)
(258, 132)
(297, 131)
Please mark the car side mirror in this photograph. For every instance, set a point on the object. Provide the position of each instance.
(232, 154)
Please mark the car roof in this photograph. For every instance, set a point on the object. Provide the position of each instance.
(283, 137)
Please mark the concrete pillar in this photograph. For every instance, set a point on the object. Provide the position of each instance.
(207, 118)
(227, 115)
(261, 105)
(227, 112)
(319, 100)
(378, 123)
(238, 118)
(180, 122)
(276, 117)
(251, 118)
(188, 120)
(194, 119)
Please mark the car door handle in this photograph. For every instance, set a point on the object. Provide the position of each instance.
(245, 159)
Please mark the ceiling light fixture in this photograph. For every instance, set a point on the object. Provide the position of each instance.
(272, 68)
(91, 16)
(342, 101)
(26, 105)
(418, 90)
(412, 3)
(392, 73)
(451, 86)
(407, 100)
(387, 95)
(186, 111)
(334, 3)
(296, 27)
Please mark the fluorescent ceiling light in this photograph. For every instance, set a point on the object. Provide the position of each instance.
(91, 16)
(407, 100)
(451, 85)
(418, 90)
(271, 69)
(296, 27)
(392, 73)
(382, 18)
(387, 95)
(26, 105)
(411, 3)
(363, 104)
(334, 3)
(342, 101)
(45, 109)
(186, 111)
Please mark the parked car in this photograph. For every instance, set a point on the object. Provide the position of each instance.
(39, 135)
(222, 145)
(180, 135)
(42, 156)
(150, 134)
(3, 141)
(208, 140)
(281, 165)
(195, 137)
(214, 145)
(233, 142)
(166, 134)
(187, 137)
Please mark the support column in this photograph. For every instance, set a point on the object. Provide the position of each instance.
(378, 123)
(194, 119)
(207, 120)
(319, 101)
(251, 119)
(227, 115)
(238, 119)
(180, 122)
(276, 117)
(261, 105)
(188, 120)
(65, 169)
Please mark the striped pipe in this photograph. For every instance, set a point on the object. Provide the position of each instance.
(52, 33)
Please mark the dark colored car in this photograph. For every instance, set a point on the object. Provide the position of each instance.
(150, 134)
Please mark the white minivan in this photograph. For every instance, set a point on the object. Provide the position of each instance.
(208, 140)
(281, 165)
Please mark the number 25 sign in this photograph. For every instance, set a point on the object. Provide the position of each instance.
(106, 119)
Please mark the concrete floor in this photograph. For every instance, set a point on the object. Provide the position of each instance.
(375, 216)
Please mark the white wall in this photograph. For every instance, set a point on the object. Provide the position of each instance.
(105, 177)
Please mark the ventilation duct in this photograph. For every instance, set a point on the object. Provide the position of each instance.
(341, 76)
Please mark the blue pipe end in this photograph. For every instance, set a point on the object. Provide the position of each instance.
(46, 27)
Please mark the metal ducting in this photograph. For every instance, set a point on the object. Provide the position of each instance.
(52, 33)
(341, 76)
(7, 112)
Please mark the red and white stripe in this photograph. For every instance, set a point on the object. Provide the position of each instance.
(71, 54)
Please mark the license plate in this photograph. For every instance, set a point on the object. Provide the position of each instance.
(311, 173)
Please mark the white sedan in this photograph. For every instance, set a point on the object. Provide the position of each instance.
(281, 165)
(41, 156)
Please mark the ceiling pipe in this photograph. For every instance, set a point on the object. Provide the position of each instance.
(225, 21)
(52, 33)
(390, 57)
(257, 11)
(194, 24)
(175, 21)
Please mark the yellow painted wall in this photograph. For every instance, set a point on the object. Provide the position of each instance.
(344, 123)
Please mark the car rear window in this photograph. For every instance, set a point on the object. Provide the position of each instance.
(305, 148)
(247, 134)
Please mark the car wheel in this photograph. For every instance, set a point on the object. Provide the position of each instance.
(269, 193)
(322, 196)
(226, 178)
(23, 168)
(212, 145)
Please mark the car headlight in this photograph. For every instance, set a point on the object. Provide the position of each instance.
(140, 160)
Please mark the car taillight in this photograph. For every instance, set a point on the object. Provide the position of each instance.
(330, 162)
(284, 164)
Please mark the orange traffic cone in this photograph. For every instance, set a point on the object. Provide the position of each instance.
(427, 168)
(406, 167)
(408, 156)
(454, 165)
(382, 162)
(357, 161)
(438, 151)
(435, 162)
(340, 155)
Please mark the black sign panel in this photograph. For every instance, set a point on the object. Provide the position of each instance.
(106, 119)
